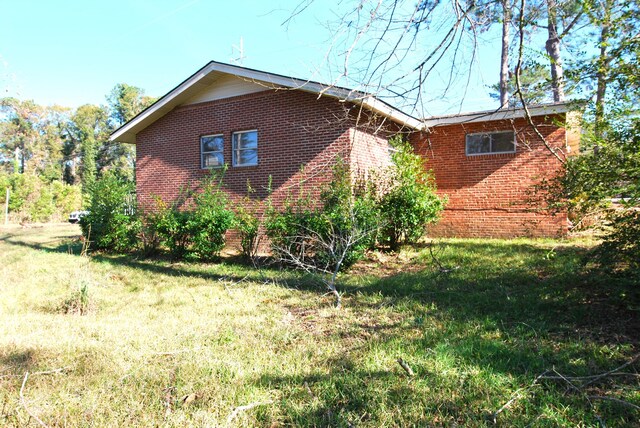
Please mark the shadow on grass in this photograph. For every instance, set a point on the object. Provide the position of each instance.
(18, 361)
(500, 283)
(508, 285)
(510, 311)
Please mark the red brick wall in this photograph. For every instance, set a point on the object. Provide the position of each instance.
(369, 153)
(294, 129)
(487, 193)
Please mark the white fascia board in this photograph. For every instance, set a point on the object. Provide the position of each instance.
(490, 115)
(394, 114)
(342, 94)
(126, 133)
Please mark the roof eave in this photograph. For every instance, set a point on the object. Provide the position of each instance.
(506, 114)
(127, 132)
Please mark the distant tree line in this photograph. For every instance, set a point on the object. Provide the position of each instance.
(50, 155)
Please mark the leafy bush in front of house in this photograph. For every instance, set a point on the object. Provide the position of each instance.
(351, 215)
(330, 235)
(247, 223)
(112, 223)
(197, 231)
(209, 221)
(408, 202)
(288, 229)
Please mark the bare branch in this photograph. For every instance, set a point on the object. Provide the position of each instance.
(246, 407)
(527, 114)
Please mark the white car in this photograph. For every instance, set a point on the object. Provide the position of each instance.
(75, 216)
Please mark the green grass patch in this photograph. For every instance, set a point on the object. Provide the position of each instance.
(155, 343)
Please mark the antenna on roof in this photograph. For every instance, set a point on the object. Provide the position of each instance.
(237, 59)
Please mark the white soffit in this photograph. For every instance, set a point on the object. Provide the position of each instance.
(203, 85)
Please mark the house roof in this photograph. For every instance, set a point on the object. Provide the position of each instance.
(207, 75)
(499, 114)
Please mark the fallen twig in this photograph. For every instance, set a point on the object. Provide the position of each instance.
(441, 267)
(514, 397)
(553, 374)
(239, 409)
(615, 400)
(405, 367)
(177, 351)
(589, 378)
(610, 372)
(24, 383)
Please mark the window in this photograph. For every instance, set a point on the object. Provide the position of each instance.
(491, 142)
(211, 151)
(245, 148)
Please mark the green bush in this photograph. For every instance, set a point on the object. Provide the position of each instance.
(32, 199)
(196, 232)
(247, 223)
(620, 248)
(600, 188)
(209, 221)
(67, 198)
(333, 234)
(149, 238)
(409, 201)
(111, 223)
(173, 230)
(290, 229)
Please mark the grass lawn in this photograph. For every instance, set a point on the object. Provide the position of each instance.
(154, 343)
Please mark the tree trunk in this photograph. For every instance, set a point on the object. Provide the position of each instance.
(602, 73)
(553, 50)
(504, 60)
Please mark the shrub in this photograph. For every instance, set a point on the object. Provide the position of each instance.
(196, 232)
(173, 230)
(409, 201)
(247, 223)
(620, 248)
(34, 199)
(288, 228)
(328, 236)
(67, 198)
(111, 223)
(209, 222)
(351, 218)
(149, 235)
(600, 188)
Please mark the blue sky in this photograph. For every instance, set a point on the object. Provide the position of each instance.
(73, 52)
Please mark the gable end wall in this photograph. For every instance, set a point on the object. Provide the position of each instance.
(300, 137)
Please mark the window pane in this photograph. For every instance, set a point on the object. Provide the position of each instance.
(246, 140)
(212, 159)
(478, 143)
(212, 143)
(247, 157)
(502, 142)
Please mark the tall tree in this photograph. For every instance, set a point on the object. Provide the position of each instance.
(534, 84)
(504, 55)
(31, 135)
(88, 130)
(125, 101)
(562, 18)
(615, 26)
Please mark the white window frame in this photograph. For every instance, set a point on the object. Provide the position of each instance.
(203, 152)
(234, 158)
(466, 143)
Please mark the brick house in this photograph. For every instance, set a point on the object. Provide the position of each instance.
(287, 133)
